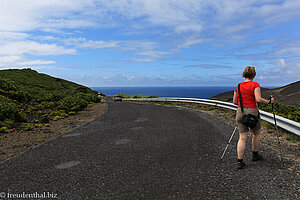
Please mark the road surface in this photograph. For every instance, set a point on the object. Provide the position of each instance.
(144, 151)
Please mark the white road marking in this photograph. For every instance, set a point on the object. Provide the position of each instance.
(72, 134)
(141, 119)
(122, 141)
(67, 164)
(136, 128)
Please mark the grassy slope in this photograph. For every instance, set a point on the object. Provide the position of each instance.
(29, 96)
(38, 84)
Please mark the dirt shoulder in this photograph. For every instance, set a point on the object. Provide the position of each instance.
(17, 142)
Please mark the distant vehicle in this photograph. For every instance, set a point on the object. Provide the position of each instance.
(118, 98)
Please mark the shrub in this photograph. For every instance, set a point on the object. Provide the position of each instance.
(7, 123)
(39, 112)
(89, 97)
(44, 119)
(271, 130)
(10, 112)
(9, 89)
(72, 113)
(292, 137)
(290, 112)
(152, 97)
(3, 129)
(47, 104)
(134, 96)
(40, 107)
(31, 109)
(27, 92)
(55, 95)
(38, 125)
(72, 103)
(21, 117)
(58, 117)
(83, 89)
(7, 110)
(28, 126)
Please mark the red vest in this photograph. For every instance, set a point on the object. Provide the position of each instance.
(247, 92)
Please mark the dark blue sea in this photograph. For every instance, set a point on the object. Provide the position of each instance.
(203, 92)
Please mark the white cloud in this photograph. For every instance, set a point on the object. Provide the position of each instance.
(8, 60)
(98, 44)
(280, 12)
(286, 51)
(105, 77)
(174, 23)
(36, 62)
(235, 28)
(53, 67)
(180, 16)
(192, 40)
(74, 41)
(18, 61)
(188, 27)
(139, 45)
(12, 36)
(47, 38)
(280, 63)
(16, 15)
(208, 66)
(199, 15)
(93, 44)
(145, 59)
(153, 53)
(33, 48)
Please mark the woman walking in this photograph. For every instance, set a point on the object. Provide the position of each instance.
(251, 93)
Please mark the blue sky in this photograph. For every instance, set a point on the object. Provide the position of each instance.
(153, 42)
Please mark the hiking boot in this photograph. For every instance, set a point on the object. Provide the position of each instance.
(256, 157)
(241, 165)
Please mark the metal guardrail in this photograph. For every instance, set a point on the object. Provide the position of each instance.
(287, 124)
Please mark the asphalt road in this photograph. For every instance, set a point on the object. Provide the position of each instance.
(143, 151)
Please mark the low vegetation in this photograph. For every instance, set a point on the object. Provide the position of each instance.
(135, 96)
(30, 99)
(287, 111)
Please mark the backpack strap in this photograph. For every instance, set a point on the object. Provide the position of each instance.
(240, 97)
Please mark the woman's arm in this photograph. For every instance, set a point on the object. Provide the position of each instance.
(235, 100)
(259, 99)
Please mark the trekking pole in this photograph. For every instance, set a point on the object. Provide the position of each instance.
(271, 96)
(278, 141)
(229, 142)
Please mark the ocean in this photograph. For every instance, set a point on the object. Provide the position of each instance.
(203, 92)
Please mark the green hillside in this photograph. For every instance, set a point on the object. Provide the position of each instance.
(28, 97)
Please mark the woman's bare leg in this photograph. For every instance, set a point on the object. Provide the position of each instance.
(241, 145)
(255, 141)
